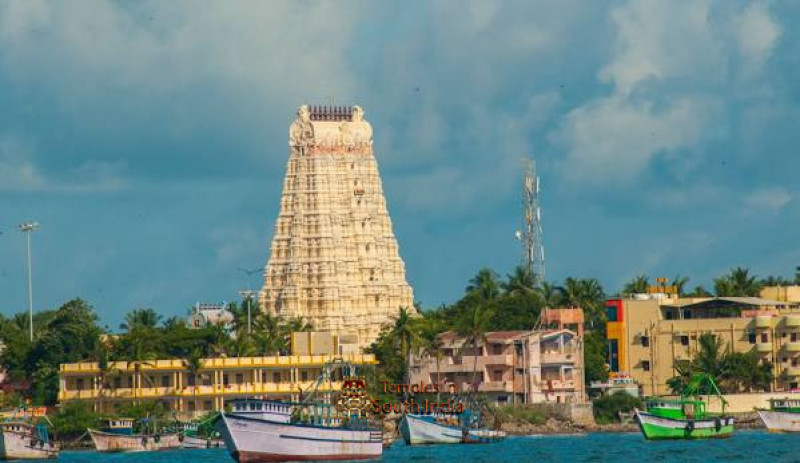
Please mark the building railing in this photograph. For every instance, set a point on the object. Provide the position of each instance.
(196, 391)
(218, 363)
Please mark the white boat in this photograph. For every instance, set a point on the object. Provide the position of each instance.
(195, 442)
(117, 435)
(429, 429)
(783, 415)
(22, 440)
(250, 436)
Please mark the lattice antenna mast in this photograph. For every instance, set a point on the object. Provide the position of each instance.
(531, 234)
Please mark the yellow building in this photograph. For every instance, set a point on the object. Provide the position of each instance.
(648, 334)
(214, 383)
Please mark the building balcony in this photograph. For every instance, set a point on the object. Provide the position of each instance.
(792, 372)
(792, 321)
(558, 384)
(764, 347)
(558, 357)
(498, 359)
(496, 386)
(793, 346)
(763, 321)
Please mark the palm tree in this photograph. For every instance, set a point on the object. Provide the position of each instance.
(637, 286)
(485, 284)
(737, 283)
(404, 335)
(699, 291)
(775, 281)
(145, 318)
(551, 295)
(473, 325)
(797, 275)
(431, 344)
(679, 283)
(194, 363)
(521, 282)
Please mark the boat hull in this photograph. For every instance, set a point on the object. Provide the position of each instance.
(419, 431)
(416, 431)
(657, 428)
(250, 439)
(17, 446)
(193, 442)
(110, 442)
(780, 421)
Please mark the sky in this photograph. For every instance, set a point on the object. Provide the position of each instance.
(149, 139)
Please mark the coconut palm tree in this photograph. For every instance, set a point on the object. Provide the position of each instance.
(737, 283)
(637, 285)
(146, 318)
(404, 335)
(473, 325)
(485, 284)
(679, 283)
(551, 295)
(521, 282)
(431, 344)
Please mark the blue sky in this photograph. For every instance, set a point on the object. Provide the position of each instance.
(150, 138)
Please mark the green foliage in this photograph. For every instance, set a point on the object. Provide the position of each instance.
(638, 285)
(595, 353)
(733, 371)
(530, 415)
(607, 407)
(737, 283)
(73, 418)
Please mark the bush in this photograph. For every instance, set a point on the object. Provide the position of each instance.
(526, 414)
(607, 407)
(74, 418)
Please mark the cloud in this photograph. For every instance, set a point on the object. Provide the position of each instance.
(669, 68)
(768, 199)
(17, 171)
(756, 32)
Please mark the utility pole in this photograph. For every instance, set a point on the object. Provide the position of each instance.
(27, 228)
(247, 295)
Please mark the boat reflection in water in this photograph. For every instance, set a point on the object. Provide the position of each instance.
(266, 430)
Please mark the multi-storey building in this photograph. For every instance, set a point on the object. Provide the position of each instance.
(510, 367)
(192, 391)
(334, 258)
(648, 334)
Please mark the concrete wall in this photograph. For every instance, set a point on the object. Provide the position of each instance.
(742, 403)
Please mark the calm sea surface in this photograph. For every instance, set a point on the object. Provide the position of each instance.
(743, 446)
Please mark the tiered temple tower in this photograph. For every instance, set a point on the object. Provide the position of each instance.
(334, 259)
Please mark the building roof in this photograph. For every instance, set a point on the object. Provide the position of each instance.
(732, 300)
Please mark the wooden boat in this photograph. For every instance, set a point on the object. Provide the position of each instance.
(22, 439)
(190, 437)
(418, 429)
(783, 415)
(685, 418)
(117, 436)
(263, 430)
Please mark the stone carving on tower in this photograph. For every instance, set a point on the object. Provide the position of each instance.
(334, 259)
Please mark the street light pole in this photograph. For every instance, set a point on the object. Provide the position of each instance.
(27, 228)
(248, 294)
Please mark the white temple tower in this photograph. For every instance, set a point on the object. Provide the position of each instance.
(334, 259)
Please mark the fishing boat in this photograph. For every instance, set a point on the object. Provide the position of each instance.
(686, 417)
(191, 437)
(117, 435)
(265, 430)
(423, 429)
(22, 439)
(783, 415)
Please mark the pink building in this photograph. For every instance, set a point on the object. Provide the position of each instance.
(510, 367)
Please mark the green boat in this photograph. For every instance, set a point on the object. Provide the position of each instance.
(687, 417)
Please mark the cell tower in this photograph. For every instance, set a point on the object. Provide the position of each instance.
(531, 234)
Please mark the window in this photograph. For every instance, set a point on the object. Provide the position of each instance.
(645, 341)
(687, 314)
(165, 381)
(684, 340)
(117, 383)
(793, 337)
(613, 354)
(646, 365)
(276, 377)
(764, 337)
(611, 313)
(793, 385)
(668, 315)
(751, 337)
(239, 378)
(303, 376)
(79, 384)
(207, 405)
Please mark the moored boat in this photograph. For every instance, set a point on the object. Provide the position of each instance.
(264, 430)
(190, 437)
(420, 429)
(21, 439)
(687, 417)
(783, 415)
(117, 436)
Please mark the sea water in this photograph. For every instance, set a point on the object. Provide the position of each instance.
(742, 446)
